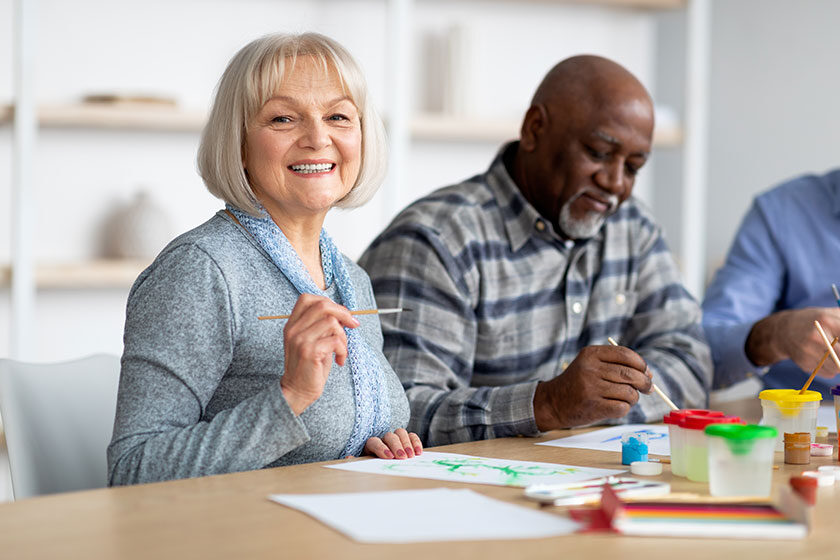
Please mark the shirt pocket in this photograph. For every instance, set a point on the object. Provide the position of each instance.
(609, 314)
(518, 349)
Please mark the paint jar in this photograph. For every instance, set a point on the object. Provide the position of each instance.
(634, 447)
(788, 411)
(740, 459)
(822, 434)
(697, 444)
(675, 435)
(835, 391)
(797, 448)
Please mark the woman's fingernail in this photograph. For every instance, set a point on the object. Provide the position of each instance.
(409, 451)
(418, 450)
(388, 454)
(400, 453)
(356, 322)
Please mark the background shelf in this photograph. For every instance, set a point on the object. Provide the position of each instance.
(94, 274)
(426, 126)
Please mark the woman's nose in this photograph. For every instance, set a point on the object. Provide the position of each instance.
(315, 135)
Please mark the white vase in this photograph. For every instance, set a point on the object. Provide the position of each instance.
(138, 230)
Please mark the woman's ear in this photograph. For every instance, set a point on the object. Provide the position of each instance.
(533, 126)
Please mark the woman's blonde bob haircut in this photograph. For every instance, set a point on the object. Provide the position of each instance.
(251, 78)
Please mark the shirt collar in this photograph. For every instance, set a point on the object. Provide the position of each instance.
(521, 219)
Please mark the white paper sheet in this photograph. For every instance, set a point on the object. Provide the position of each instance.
(480, 470)
(437, 514)
(609, 439)
(825, 417)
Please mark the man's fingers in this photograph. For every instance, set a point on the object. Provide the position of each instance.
(621, 355)
(623, 375)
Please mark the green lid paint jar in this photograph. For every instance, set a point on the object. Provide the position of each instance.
(740, 459)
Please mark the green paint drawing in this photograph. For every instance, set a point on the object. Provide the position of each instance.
(511, 475)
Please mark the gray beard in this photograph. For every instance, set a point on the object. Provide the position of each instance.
(589, 225)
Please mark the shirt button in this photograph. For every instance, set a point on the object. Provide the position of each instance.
(577, 307)
(620, 299)
(564, 365)
(540, 225)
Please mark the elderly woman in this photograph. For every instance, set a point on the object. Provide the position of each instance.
(206, 387)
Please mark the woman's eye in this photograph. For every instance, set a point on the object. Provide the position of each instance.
(281, 119)
(631, 169)
(339, 117)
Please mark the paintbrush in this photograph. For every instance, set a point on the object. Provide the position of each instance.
(655, 388)
(828, 344)
(383, 311)
(816, 369)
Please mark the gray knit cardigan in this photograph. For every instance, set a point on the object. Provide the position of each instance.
(199, 389)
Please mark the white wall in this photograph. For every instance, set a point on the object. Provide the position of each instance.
(775, 86)
(179, 48)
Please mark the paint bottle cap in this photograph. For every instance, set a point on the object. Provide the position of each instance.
(700, 422)
(676, 416)
(823, 479)
(806, 487)
(797, 437)
(835, 471)
(822, 431)
(645, 468)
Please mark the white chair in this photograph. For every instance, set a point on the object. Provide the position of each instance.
(58, 419)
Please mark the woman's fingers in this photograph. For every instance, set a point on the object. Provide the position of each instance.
(416, 443)
(399, 444)
(375, 446)
(309, 309)
(405, 442)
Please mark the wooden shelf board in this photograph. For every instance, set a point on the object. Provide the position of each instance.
(94, 274)
(450, 128)
(430, 127)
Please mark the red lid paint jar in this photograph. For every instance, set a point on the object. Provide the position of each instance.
(676, 435)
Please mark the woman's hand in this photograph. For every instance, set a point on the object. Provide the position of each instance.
(314, 336)
(398, 444)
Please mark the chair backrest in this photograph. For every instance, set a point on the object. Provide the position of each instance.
(58, 419)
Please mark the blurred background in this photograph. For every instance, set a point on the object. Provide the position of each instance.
(746, 94)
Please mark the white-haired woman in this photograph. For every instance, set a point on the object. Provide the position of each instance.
(205, 386)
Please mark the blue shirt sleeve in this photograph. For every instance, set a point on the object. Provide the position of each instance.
(745, 290)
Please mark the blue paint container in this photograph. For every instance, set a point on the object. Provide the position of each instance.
(634, 447)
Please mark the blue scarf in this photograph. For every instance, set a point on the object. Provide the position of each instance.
(373, 409)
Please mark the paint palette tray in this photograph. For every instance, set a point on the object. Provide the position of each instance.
(588, 492)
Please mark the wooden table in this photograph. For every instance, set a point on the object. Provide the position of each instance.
(228, 516)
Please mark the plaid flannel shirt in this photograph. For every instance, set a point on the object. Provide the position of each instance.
(500, 302)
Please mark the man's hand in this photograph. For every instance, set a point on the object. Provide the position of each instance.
(791, 334)
(602, 382)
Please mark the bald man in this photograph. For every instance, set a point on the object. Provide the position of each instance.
(517, 277)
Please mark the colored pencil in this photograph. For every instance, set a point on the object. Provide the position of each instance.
(836, 293)
(383, 311)
(655, 388)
